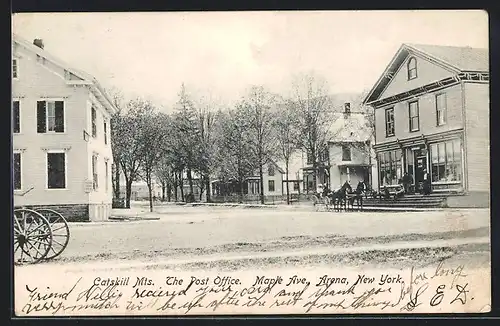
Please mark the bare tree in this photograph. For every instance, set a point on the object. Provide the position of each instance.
(152, 138)
(312, 104)
(118, 101)
(165, 175)
(126, 137)
(258, 108)
(186, 129)
(234, 158)
(286, 126)
(207, 147)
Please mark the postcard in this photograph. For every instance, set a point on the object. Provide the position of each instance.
(285, 162)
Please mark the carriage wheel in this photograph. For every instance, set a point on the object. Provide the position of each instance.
(60, 232)
(32, 236)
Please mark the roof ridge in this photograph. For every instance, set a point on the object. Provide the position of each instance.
(444, 46)
(54, 58)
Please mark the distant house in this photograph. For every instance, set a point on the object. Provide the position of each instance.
(140, 191)
(61, 135)
(348, 153)
(295, 173)
(273, 181)
(273, 176)
(351, 156)
(432, 115)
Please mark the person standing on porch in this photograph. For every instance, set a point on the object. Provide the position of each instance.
(426, 183)
(406, 182)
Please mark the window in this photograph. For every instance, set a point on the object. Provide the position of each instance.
(389, 122)
(270, 185)
(94, 122)
(16, 122)
(296, 186)
(346, 153)
(414, 118)
(56, 170)
(106, 183)
(17, 171)
(105, 133)
(412, 68)
(309, 157)
(50, 116)
(390, 167)
(95, 177)
(15, 69)
(441, 109)
(270, 170)
(347, 108)
(324, 155)
(446, 160)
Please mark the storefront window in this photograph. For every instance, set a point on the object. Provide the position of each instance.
(390, 167)
(410, 161)
(446, 161)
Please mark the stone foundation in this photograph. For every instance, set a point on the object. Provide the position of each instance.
(71, 212)
(473, 199)
(99, 212)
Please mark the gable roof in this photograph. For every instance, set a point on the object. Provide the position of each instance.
(295, 165)
(465, 59)
(86, 78)
(349, 129)
(454, 58)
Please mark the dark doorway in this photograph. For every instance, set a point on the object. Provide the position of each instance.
(420, 169)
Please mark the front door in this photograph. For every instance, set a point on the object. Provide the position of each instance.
(420, 169)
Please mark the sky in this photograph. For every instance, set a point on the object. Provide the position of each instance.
(220, 54)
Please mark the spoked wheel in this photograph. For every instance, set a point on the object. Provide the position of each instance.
(60, 231)
(32, 236)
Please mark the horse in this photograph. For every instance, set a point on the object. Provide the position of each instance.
(339, 198)
(358, 195)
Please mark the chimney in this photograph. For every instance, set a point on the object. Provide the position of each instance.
(38, 42)
(347, 108)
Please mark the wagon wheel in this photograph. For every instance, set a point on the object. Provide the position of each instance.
(60, 231)
(32, 236)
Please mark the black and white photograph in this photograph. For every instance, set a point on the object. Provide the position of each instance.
(250, 163)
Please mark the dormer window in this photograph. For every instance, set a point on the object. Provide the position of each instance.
(412, 68)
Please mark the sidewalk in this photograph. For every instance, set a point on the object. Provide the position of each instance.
(305, 205)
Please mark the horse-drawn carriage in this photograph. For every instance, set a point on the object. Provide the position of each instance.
(39, 234)
(341, 199)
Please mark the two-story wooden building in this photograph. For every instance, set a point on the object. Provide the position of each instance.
(61, 135)
(432, 116)
(351, 155)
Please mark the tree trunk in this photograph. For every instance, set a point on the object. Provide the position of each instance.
(201, 193)
(150, 191)
(169, 191)
(190, 180)
(240, 182)
(163, 188)
(117, 182)
(181, 185)
(128, 193)
(261, 178)
(176, 182)
(207, 187)
(287, 186)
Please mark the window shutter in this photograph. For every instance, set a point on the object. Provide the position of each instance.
(41, 118)
(15, 114)
(59, 107)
